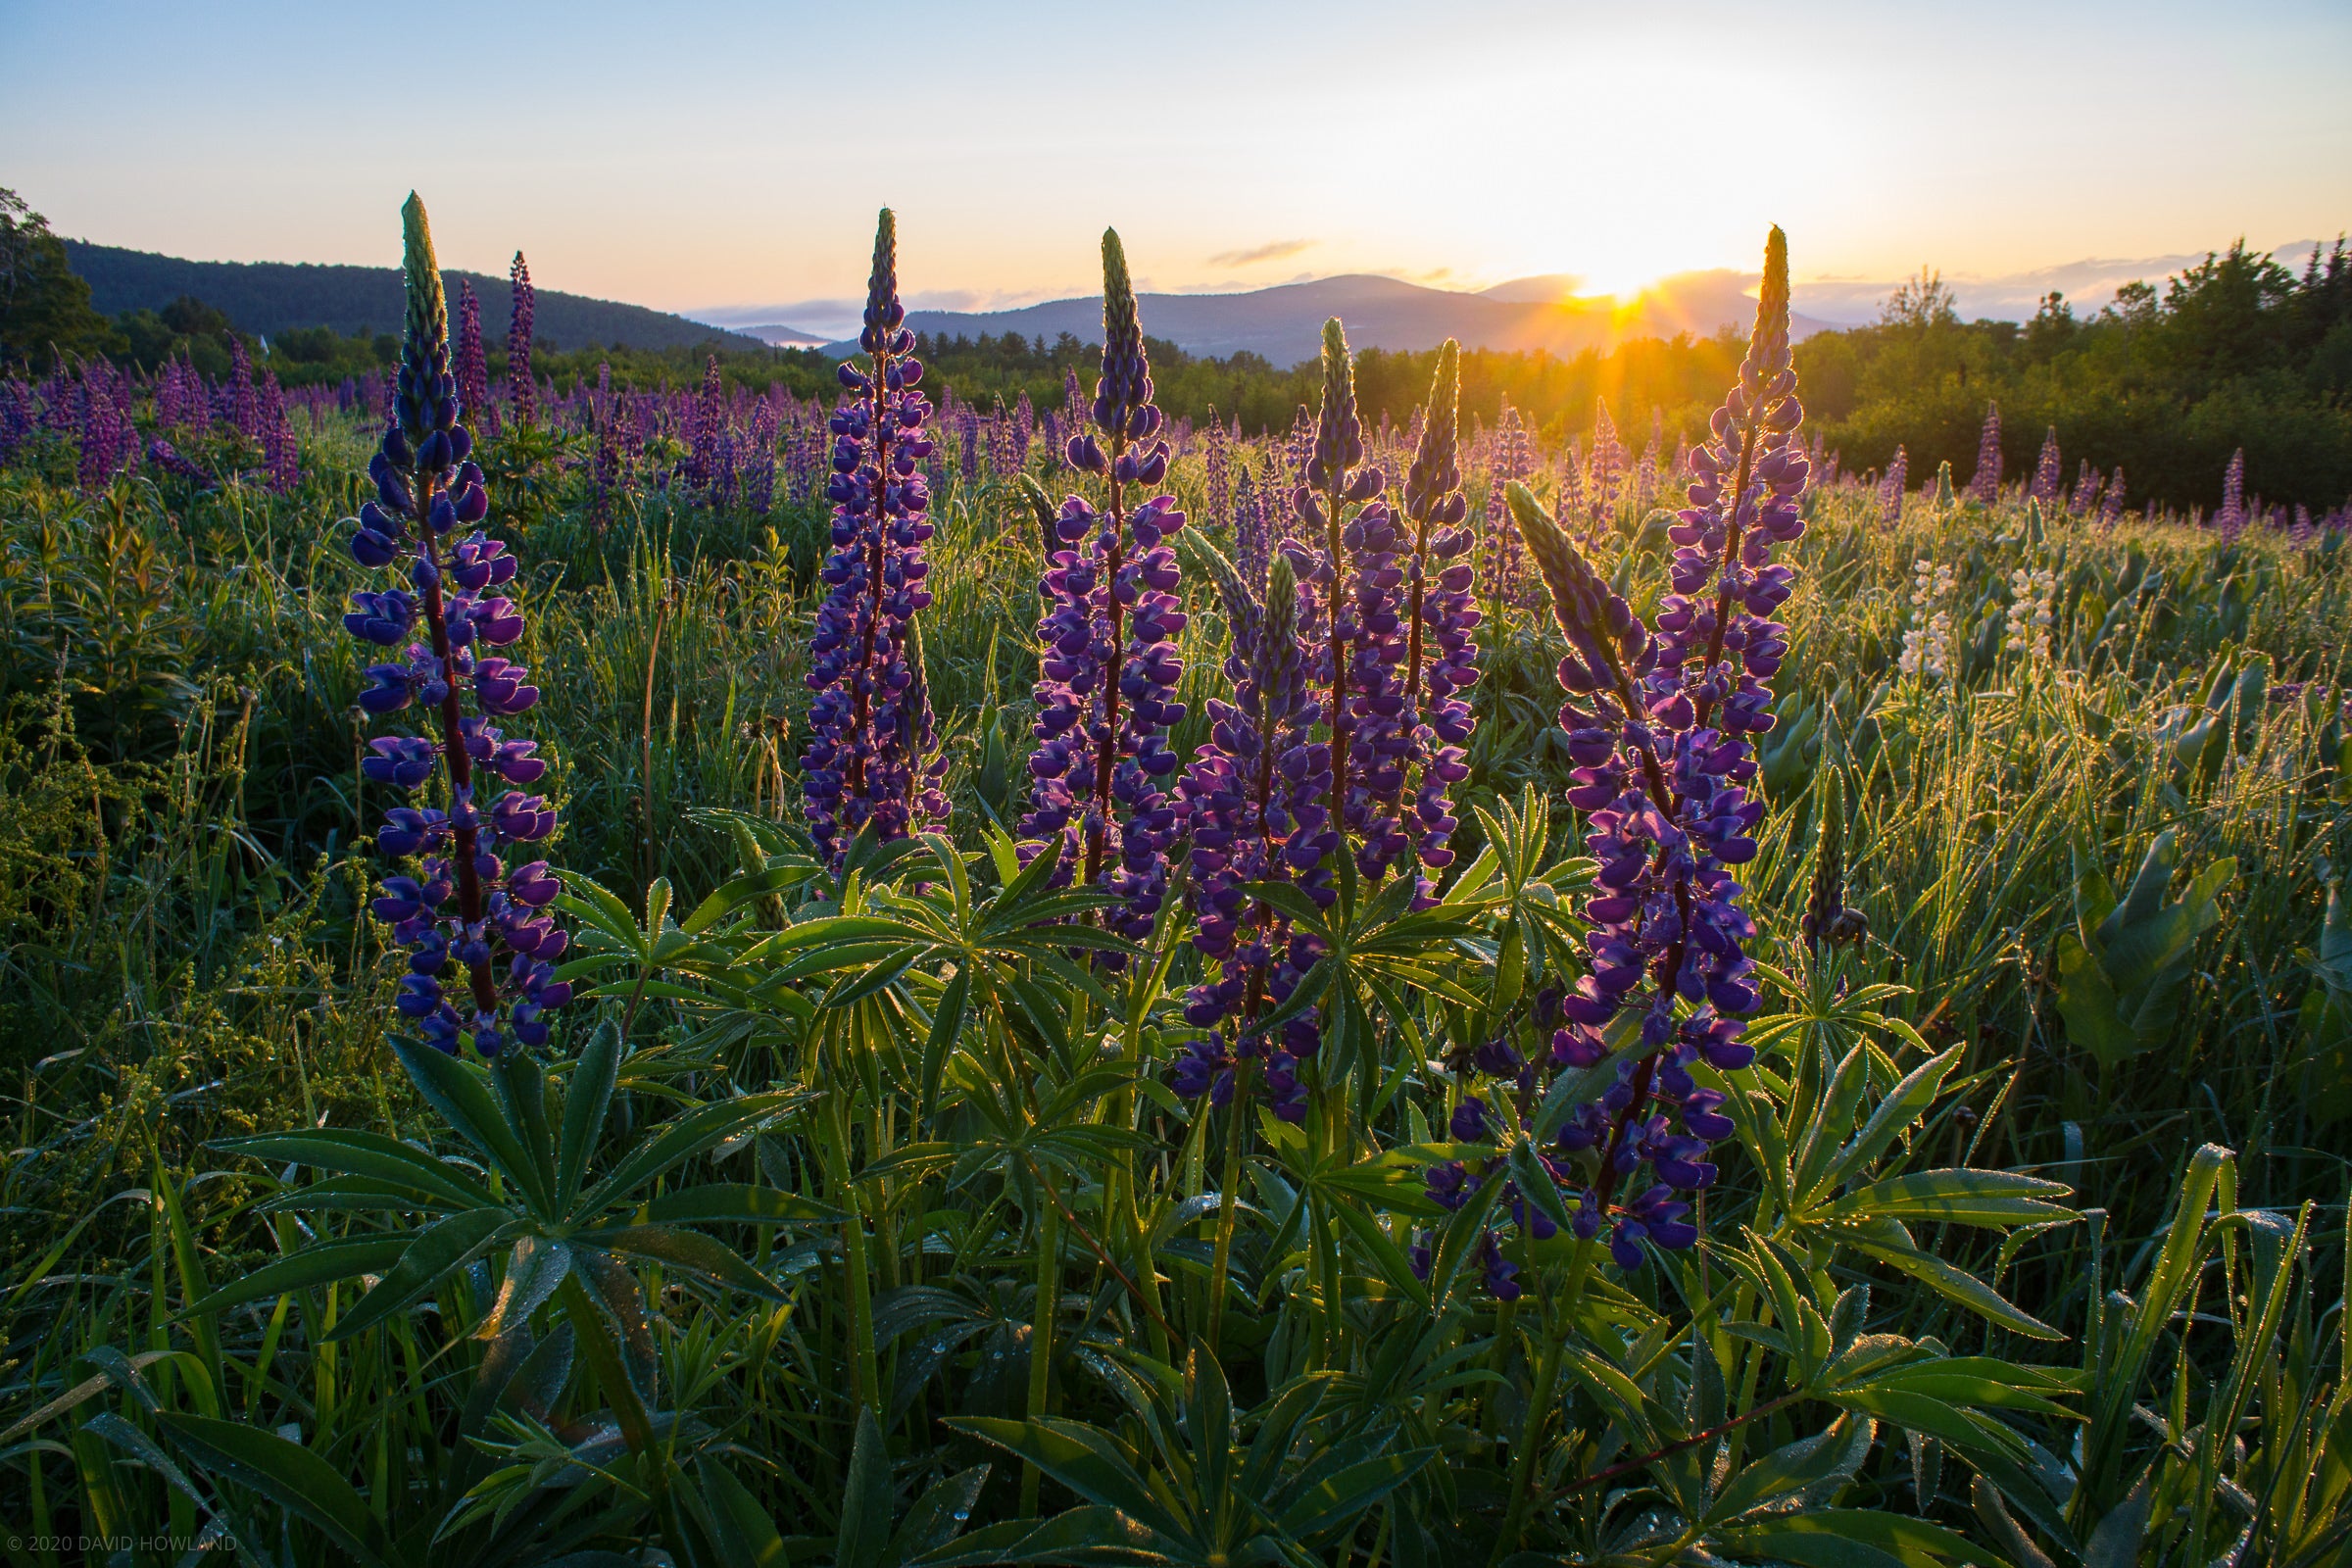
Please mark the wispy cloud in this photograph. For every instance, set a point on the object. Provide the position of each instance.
(1274, 252)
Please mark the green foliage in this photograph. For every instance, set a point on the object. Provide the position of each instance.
(854, 1222)
(2121, 968)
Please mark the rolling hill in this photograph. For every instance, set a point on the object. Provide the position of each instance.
(270, 297)
(1284, 324)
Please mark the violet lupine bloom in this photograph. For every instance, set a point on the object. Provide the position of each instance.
(870, 765)
(2111, 502)
(1217, 462)
(1660, 720)
(1253, 544)
(2048, 476)
(1603, 471)
(163, 458)
(1255, 798)
(503, 946)
(1986, 483)
(281, 454)
(1358, 613)
(1891, 488)
(1106, 693)
(244, 406)
(2085, 492)
(523, 388)
(102, 429)
(473, 367)
(1441, 658)
(2231, 520)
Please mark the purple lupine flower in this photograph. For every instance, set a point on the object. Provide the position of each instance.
(1514, 459)
(759, 475)
(1986, 483)
(1219, 473)
(1024, 430)
(1252, 551)
(1659, 719)
(2085, 492)
(2111, 503)
(2231, 520)
(1357, 609)
(2301, 533)
(707, 416)
(1442, 612)
(870, 765)
(101, 432)
(523, 389)
(1102, 770)
(1255, 798)
(163, 456)
(2048, 476)
(473, 367)
(244, 408)
(1892, 487)
(498, 938)
(281, 455)
(1603, 472)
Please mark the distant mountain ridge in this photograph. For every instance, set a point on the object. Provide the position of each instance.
(266, 298)
(1284, 324)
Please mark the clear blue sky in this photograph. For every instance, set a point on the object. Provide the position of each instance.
(691, 155)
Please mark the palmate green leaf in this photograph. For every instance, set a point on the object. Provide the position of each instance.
(865, 1530)
(1900, 1110)
(1792, 1467)
(1079, 1458)
(1960, 1197)
(734, 895)
(738, 1202)
(585, 1101)
(535, 1268)
(288, 1475)
(457, 1091)
(690, 1251)
(435, 1254)
(1336, 1501)
(351, 1151)
(1885, 1242)
(1853, 1537)
(675, 1142)
(320, 1263)
(1093, 1533)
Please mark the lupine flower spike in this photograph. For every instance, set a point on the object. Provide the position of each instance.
(1255, 798)
(1986, 483)
(870, 763)
(1106, 692)
(1441, 659)
(1357, 584)
(523, 387)
(497, 940)
(1660, 720)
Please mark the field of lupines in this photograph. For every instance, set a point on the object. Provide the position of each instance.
(1052, 986)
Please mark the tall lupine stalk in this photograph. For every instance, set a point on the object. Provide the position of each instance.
(1660, 720)
(500, 943)
(1256, 796)
(1218, 462)
(2231, 520)
(1603, 472)
(2049, 475)
(2111, 502)
(1441, 658)
(1106, 688)
(522, 386)
(871, 763)
(473, 367)
(2085, 493)
(1986, 483)
(1892, 487)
